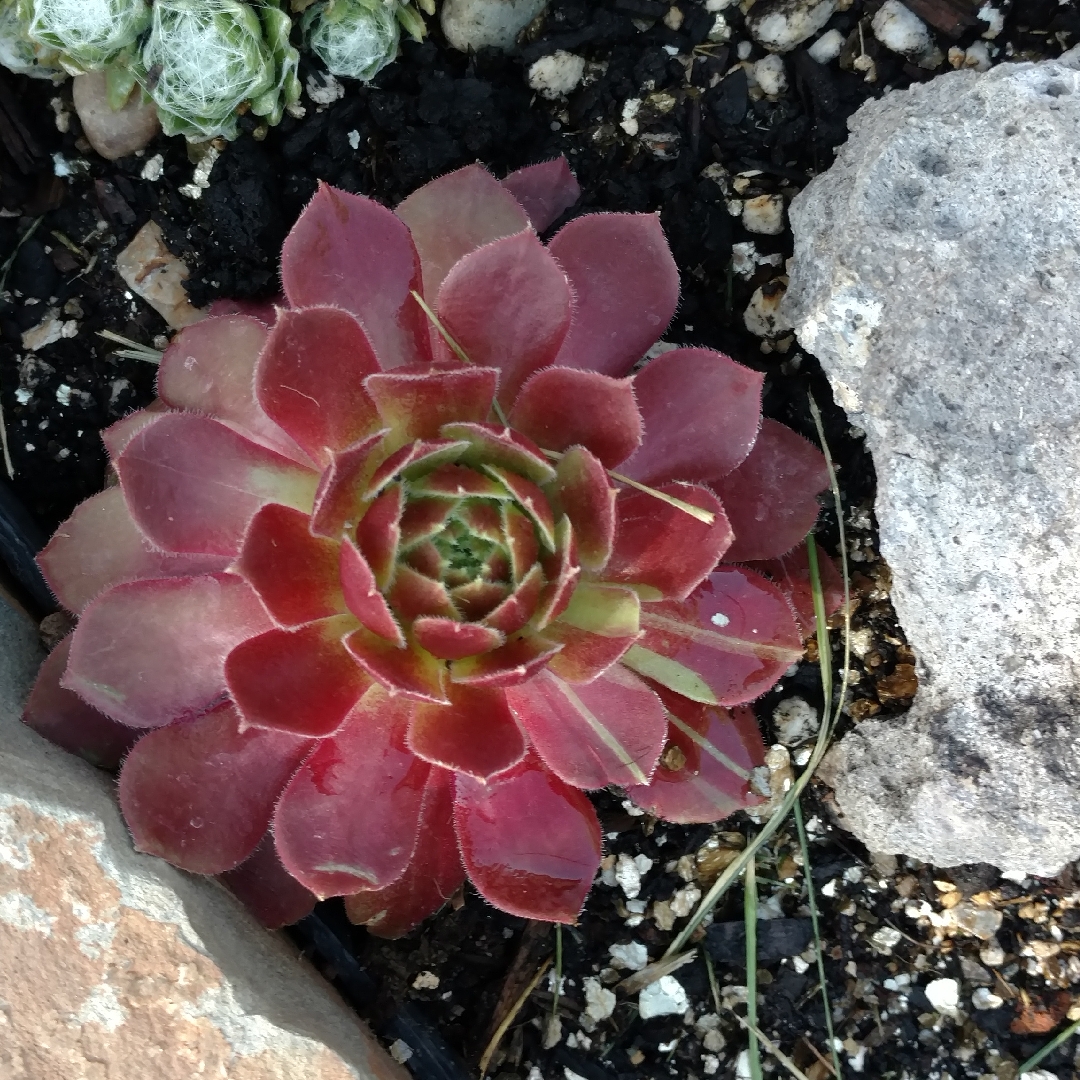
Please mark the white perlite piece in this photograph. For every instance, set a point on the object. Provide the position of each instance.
(770, 75)
(633, 956)
(558, 74)
(599, 1001)
(951, 341)
(780, 25)
(944, 995)
(665, 997)
(114, 963)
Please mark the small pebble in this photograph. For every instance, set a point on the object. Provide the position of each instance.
(901, 31)
(795, 719)
(665, 997)
(764, 215)
(885, 939)
(426, 980)
(400, 1051)
(684, 901)
(780, 25)
(827, 47)
(983, 999)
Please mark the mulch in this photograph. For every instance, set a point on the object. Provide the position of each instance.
(891, 929)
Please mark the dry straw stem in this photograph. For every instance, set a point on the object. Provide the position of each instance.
(828, 720)
(504, 1027)
(750, 921)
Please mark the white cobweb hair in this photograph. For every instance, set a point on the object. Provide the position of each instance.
(195, 71)
(88, 30)
(355, 39)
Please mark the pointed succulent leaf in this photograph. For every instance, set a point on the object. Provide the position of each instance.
(415, 404)
(339, 496)
(736, 635)
(561, 407)
(520, 538)
(490, 445)
(65, 719)
(267, 889)
(660, 545)
(507, 305)
(100, 546)
(117, 436)
(150, 652)
(449, 639)
(456, 214)
(209, 368)
(608, 610)
(583, 492)
(193, 485)
(536, 873)
(483, 518)
(520, 606)
(609, 731)
(270, 677)
(423, 518)
(584, 655)
(531, 499)
(704, 772)
(771, 497)
(475, 734)
(295, 574)
(310, 380)
(412, 594)
(361, 594)
(349, 817)
(562, 571)
(349, 252)
(459, 482)
(378, 533)
(433, 875)
(515, 662)
(626, 288)
(701, 412)
(479, 598)
(545, 190)
(411, 671)
(413, 461)
(201, 792)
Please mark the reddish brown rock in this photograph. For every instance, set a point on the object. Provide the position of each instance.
(113, 133)
(115, 965)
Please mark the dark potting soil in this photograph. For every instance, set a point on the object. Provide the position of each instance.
(440, 992)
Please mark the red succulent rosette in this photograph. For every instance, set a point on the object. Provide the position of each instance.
(369, 608)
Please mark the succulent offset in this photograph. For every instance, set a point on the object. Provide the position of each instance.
(398, 570)
(202, 62)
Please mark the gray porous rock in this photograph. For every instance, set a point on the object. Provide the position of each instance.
(937, 278)
(116, 964)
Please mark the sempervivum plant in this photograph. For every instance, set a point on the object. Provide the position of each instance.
(396, 572)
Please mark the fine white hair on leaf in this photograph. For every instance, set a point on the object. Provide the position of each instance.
(203, 59)
(355, 39)
(90, 32)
